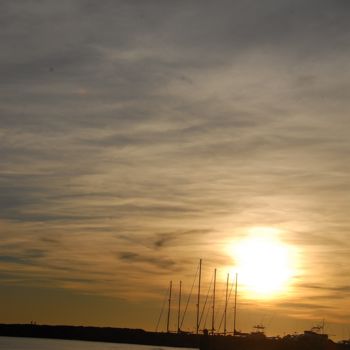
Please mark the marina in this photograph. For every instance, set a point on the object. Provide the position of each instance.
(202, 338)
(308, 340)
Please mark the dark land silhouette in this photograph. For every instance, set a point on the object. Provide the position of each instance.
(307, 341)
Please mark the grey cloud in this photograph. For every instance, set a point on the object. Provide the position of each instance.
(312, 307)
(316, 239)
(14, 260)
(339, 288)
(26, 257)
(172, 239)
(309, 306)
(158, 262)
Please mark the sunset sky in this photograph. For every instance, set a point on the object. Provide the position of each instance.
(137, 137)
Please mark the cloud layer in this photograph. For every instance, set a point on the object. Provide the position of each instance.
(136, 138)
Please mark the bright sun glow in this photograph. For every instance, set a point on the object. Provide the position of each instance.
(265, 264)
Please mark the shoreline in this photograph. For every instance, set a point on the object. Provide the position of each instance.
(179, 340)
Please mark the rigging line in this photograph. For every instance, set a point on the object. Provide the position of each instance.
(189, 297)
(206, 316)
(206, 299)
(229, 295)
(222, 319)
(161, 311)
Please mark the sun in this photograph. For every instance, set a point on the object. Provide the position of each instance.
(264, 263)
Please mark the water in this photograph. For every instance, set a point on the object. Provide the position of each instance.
(9, 343)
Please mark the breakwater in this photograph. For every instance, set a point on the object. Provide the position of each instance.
(101, 334)
(185, 340)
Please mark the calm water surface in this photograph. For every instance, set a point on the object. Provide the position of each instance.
(8, 343)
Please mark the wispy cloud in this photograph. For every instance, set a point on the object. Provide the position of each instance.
(150, 135)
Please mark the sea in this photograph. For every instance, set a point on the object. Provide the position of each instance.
(12, 343)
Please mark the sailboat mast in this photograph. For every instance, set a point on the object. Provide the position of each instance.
(169, 305)
(179, 310)
(225, 313)
(199, 293)
(213, 316)
(235, 309)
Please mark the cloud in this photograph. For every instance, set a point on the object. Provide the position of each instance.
(309, 306)
(153, 134)
(341, 289)
(160, 263)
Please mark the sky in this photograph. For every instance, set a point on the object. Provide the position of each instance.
(137, 137)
